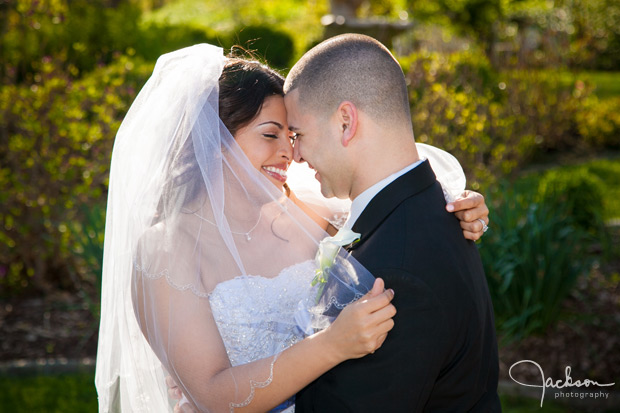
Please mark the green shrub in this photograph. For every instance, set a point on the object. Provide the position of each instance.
(157, 39)
(548, 103)
(55, 145)
(598, 122)
(455, 105)
(275, 46)
(579, 192)
(608, 171)
(532, 258)
(79, 34)
(493, 122)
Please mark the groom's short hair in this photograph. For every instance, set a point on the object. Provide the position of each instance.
(351, 67)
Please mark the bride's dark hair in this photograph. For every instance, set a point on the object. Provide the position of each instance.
(243, 87)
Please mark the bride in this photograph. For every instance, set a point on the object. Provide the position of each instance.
(210, 259)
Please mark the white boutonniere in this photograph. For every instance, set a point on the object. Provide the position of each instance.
(325, 256)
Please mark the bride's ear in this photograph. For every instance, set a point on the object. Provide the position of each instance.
(347, 118)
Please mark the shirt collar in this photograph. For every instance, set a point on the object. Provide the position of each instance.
(362, 200)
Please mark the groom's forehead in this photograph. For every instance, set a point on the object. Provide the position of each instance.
(291, 102)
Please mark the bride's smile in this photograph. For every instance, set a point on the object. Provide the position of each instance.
(266, 141)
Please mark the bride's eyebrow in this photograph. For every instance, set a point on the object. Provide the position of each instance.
(279, 125)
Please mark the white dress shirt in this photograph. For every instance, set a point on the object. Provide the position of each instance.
(363, 199)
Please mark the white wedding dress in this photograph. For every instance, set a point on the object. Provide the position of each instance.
(256, 315)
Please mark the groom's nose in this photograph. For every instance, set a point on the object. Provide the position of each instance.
(296, 155)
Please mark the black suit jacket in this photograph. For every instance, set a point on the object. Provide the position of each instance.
(442, 353)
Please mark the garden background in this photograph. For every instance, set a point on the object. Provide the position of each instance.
(525, 93)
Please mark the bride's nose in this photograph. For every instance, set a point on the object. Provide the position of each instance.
(286, 149)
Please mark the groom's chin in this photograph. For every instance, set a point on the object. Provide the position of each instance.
(327, 192)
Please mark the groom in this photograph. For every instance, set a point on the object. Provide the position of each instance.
(347, 101)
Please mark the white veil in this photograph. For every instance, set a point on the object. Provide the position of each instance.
(186, 213)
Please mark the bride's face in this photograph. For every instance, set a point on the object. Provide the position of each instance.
(266, 141)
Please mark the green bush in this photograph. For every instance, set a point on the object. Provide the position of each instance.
(579, 192)
(79, 34)
(549, 105)
(276, 47)
(532, 257)
(608, 171)
(598, 122)
(55, 145)
(156, 39)
(493, 122)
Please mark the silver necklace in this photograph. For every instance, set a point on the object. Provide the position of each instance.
(247, 235)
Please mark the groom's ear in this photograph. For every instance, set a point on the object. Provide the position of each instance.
(347, 118)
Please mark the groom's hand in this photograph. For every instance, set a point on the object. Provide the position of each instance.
(470, 208)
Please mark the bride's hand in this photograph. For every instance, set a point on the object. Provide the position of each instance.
(361, 328)
(471, 210)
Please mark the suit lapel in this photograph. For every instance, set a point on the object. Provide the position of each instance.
(389, 198)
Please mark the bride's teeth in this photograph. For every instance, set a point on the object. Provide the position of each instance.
(275, 170)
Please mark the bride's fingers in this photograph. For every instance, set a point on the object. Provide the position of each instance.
(377, 288)
(383, 314)
(468, 200)
(475, 226)
(384, 327)
(372, 304)
(170, 382)
(376, 303)
(381, 340)
(473, 230)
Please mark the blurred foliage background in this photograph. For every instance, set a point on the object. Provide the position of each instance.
(525, 93)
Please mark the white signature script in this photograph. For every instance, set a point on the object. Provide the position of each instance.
(558, 384)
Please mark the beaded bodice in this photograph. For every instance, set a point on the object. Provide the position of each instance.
(256, 315)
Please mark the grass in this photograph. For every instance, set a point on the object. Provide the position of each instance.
(72, 392)
(607, 83)
(608, 170)
(75, 392)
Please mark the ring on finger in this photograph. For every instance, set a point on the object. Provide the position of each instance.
(485, 227)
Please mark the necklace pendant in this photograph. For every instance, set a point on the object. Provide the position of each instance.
(248, 237)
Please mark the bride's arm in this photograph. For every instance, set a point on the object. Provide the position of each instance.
(469, 208)
(312, 213)
(185, 337)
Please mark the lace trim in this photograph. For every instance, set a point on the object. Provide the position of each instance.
(253, 386)
(165, 273)
(333, 301)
